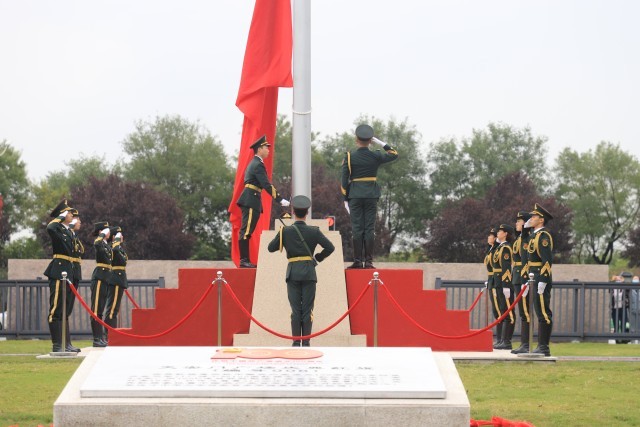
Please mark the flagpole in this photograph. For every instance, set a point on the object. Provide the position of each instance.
(301, 156)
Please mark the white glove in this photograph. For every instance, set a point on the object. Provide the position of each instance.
(346, 206)
(118, 235)
(284, 203)
(541, 286)
(377, 141)
(527, 224)
(526, 290)
(73, 221)
(63, 215)
(506, 292)
(106, 232)
(485, 285)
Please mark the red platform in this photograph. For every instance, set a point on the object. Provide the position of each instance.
(428, 308)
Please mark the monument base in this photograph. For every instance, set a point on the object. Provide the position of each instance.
(72, 409)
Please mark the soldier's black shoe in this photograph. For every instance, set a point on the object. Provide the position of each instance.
(245, 263)
(368, 264)
(356, 264)
(71, 348)
(296, 343)
(498, 344)
(524, 348)
(542, 349)
(99, 343)
(306, 343)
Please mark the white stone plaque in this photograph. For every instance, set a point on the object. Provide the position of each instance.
(340, 372)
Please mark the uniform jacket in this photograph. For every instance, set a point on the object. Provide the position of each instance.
(118, 271)
(78, 251)
(289, 239)
(516, 273)
(540, 258)
(360, 170)
(501, 262)
(256, 180)
(104, 256)
(487, 263)
(62, 245)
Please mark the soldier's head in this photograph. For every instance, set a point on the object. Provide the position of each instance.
(364, 133)
(261, 147)
(76, 222)
(521, 218)
(99, 226)
(113, 232)
(300, 206)
(539, 217)
(491, 238)
(505, 232)
(62, 208)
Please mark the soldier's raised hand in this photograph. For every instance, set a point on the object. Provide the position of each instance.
(284, 203)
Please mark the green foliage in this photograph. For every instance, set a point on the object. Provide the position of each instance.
(602, 187)
(24, 248)
(14, 188)
(183, 159)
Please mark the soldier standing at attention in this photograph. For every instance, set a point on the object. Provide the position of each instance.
(361, 191)
(118, 281)
(539, 263)
(99, 279)
(250, 201)
(300, 240)
(490, 284)
(502, 277)
(78, 251)
(62, 245)
(520, 272)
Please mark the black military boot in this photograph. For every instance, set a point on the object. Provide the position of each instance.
(296, 331)
(524, 332)
(306, 330)
(357, 254)
(70, 347)
(96, 329)
(498, 340)
(506, 336)
(112, 323)
(244, 254)
(368, 253)
(55, 329)
(544, 333)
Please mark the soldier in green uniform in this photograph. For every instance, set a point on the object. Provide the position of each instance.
(300, 240)
(361, 191)
(118, 281)
(99, 279)
(250, 201)
(489, 284)
(502, 260)
(62, 245)
(540, 260)
(78, 251)
(520, 272)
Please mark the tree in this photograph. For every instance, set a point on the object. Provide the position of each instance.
(459, 232)
(151, 221)
(602, 187)
(469, 168)
(14, 188)
(183, 159)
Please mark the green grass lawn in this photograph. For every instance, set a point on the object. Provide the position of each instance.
(566, 393)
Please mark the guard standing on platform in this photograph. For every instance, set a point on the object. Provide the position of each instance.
(99, 279)
(489, 285)
(539, 263)
(62, 245)
(118, 281)
(520, 272)
(300, 240)
(250, 201)
(78, 251)
(360, 189)
(502, 259)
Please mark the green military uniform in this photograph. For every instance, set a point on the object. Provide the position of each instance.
(490, 285)
(360, 188)
(301, 271)
(502, 261)
(78, 252)
(62, 245)
(520, 277)
(250, 201)
(99, 280)
(118, 281)
(540, 261)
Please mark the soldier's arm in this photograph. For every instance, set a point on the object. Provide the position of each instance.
(344, 180)
(545, 246)
(276, 243)
(327, 247)
(263, 179)
(507, 255)
(389, 154)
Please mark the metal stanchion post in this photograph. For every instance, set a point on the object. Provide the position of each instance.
(531, 315)
(219, 280)
(376, 281)
(64, 351)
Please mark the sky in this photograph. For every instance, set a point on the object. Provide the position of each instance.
(75, 76)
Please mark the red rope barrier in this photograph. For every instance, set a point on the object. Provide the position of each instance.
(135, 304)
(305, 337)
(476, 300)
(472, 334)
(86, 307)
(499, 422)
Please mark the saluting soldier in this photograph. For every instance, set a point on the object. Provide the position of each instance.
(99, 279)
(520, 272)
(539, 263)
(62, 245)
(78, 251)
(250, 201)
(118, 281)
(489, 284)
(360, 189)
(502, 260)
(300, 240)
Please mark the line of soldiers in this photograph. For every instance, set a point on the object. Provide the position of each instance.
(508, 268)
(109, 273)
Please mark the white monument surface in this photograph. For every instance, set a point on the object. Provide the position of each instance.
(340, 372)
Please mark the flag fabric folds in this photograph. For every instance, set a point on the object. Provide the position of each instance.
(266, 67)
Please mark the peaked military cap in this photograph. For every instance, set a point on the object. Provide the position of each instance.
(260, 142)
(114, 229)
(62, 207)
(493, 231)
(540, 211)
(99, 226)
(301, 202)
(506, 227)
(523, 215)
(364, 132)
(75, 212)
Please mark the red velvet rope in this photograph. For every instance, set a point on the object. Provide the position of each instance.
(96, 318)
(126, 291)
(305, 337)
(499, 422)
(479, 331)
(476, 300)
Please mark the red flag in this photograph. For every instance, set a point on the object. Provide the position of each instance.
(266, 67)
